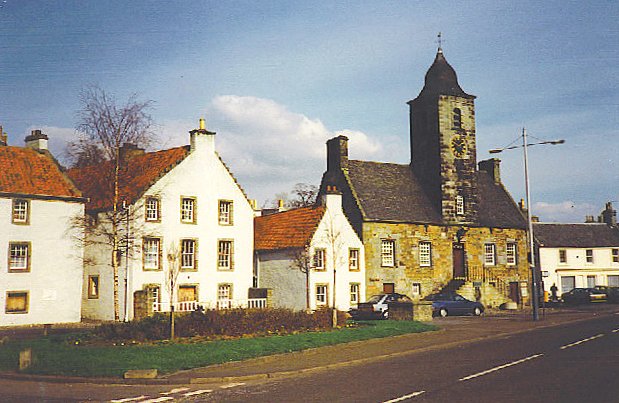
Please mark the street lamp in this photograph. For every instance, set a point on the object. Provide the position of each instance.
(534, 284)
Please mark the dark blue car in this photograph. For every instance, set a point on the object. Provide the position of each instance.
(446, 304)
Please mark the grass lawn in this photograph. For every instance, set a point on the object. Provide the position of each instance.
(54, 356)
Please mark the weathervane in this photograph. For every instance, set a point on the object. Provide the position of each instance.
(440, 42)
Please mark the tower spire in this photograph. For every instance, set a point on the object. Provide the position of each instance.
(440, 42)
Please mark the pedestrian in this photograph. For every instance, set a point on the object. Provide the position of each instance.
(553, 291)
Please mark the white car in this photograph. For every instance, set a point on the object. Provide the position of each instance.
(377, 307)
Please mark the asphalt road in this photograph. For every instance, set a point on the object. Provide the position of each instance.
(576, 362)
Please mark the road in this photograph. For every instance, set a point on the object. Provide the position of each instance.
(574, 362)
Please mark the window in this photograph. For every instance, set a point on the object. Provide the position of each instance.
(489, 254)
(612, 280)
(93, 287)
(321, 294)
(319, 259)
(353, 259)
(589, 255)
(590, 281)
(188, 210)
(354, 293)
(153, 295)
(151, 253)
(562, 256)
(225, 212)
(425, 254)
(460, 205)
(16, 302)
(387, 252)
(21, 211)
(457, 118)
(224, 291)
(416, 291)
(188, 254)
(615, 253)
(224, 255)
(567, 283)
(19, 256)
(152, 209)
(187, 293)
(512, 254)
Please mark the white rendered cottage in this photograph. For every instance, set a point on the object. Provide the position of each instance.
(297, 251)
(184, 209)
(41, 265)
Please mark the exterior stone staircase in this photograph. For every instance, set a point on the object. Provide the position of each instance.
(490, 295)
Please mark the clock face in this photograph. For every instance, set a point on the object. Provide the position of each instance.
(458, 146)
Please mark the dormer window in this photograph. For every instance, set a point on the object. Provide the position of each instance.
(460, 205)
(457, 118)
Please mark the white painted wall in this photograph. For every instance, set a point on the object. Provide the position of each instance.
(201, 175)
(54, 282)
(577, 266)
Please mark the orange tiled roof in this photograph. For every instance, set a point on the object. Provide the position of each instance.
(141, 173)
(26, 171)
(288, 229)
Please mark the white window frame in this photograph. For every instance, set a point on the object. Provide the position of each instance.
(355, 293)
(416, 289)
(12, 294)
(151, 249)
(562, 256)
(387, 252)
(224, 291)
(489, 254)
(188, 254)
(589, 256)
(460, 205)
(322, 294)
(511, 251)
(615, 255)
(93, 286)
(425, 254)
(20, 211)
(225, 212)
(188, 210)
(152, 209)
(353, 259)
(318, 261)
(19, 256)
(225, 254)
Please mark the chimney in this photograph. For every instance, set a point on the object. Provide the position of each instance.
(4, 140)
(493, 167)
(609, 216)
(201, 139)
(522, 206)
(332, 198)
(37, 140)
(589, 219)
(130, 150)
(337, 154)
(534, 218)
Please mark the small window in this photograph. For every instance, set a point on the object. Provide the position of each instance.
(354, 293)
(425, 254)
(387, 252)
(353, 259)
(152, 253)
(153, 295)
(512, 254)
(615, 253)
(457, 118)
(19, 256)
(21, 211)
(153, 212)
(16, 302)
(589, 255)
(319, 259)
(224, 255)
(590, 281)
(93, 287)
(612, 280)
(460, 205)
(321, 295)
(188, 254)
(416, 290)
(225, 212)
(188, 210)
(187, 293)
(562, 256)
(489, 254)
(224, 296)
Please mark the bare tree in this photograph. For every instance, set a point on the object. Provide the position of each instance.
(174, 268)
(303, 195)
(333, 237)
(104, 126)
(302, 261)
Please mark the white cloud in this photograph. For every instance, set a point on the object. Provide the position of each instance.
(566, 211)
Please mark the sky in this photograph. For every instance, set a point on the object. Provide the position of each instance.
(276, 79)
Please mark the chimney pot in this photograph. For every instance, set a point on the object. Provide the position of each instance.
(337, 154)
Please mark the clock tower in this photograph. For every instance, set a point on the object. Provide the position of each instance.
(443, 151)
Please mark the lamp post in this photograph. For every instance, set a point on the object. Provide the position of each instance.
(534, 283)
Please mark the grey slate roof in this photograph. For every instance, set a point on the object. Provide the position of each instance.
(391, 192)
(589, 235)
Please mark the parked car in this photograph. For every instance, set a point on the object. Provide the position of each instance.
(445, 304)
(612, 293)
(583, 296)
(377, 307)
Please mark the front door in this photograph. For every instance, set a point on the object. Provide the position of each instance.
(514, 291)
(388, 288)
(458, 261)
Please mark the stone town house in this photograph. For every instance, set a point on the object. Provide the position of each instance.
(443, 221)
(185, 208)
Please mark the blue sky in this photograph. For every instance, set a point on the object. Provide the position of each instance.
(276, 79)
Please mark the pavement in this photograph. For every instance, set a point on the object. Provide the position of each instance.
(454, 331)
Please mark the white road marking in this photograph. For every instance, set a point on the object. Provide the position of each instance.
(616, 330)
(581, 341)
(173, 391)
(231, 385)
(466, 378)
(401, 398)
(129, 399)
(197, 392)
(157, 400)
